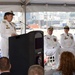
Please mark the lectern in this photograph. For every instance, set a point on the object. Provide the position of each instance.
(26, 50)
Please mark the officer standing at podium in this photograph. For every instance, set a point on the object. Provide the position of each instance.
(51, 46)
(7, 29)
(67, 41)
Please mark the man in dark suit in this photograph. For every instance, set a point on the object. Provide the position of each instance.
(5, 66)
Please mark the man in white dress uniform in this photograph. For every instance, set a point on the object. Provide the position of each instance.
(67, 41)
(7, 29)
(52, 46)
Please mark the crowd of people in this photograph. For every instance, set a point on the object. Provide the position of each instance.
(5, 67)
(62, 53)
(53, 48)
(7, 29)
(66, 66)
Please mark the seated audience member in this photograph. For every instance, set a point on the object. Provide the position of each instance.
(36, 70)
(67, 64)
(5, 66)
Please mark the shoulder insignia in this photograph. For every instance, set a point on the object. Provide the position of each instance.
(4, 21)
(55, 39)
(48, 38)
(7, 27)
(72, 37)
(12, 23)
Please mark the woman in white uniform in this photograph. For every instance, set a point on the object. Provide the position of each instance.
(7, 29)
(67, 41)
(52, 46)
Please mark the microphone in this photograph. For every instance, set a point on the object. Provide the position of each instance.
(27, 27)
(21, 22)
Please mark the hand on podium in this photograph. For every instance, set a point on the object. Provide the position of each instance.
(13, 34)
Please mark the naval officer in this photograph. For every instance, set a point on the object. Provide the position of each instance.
(51, 46)
(67, 41)
(7, 29)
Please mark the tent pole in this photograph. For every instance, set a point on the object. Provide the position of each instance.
(24, 10)
(25, 16)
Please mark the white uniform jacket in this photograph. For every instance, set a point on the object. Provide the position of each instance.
(52, 47)
(6, 29)
(67, 42)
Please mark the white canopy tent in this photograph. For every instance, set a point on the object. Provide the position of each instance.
(51, 5)
(8, 5)
(37, 5)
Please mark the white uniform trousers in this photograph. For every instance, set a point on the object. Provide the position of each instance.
(4, 47)
(54, 52)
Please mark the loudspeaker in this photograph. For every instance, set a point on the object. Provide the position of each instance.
(26, 50)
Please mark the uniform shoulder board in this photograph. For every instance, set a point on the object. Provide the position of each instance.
(12, 22)
(54, 36)
(70, 34)
(62, 35)
(4, 21)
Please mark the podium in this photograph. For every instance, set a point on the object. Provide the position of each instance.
(26, 50)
